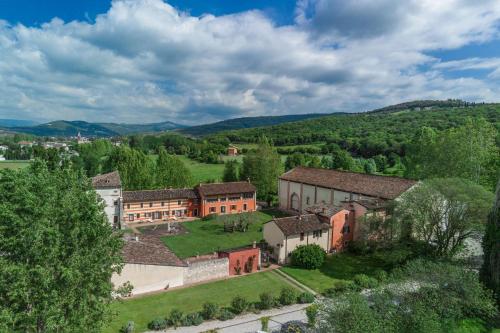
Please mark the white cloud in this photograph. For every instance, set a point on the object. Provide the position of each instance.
(145, 61)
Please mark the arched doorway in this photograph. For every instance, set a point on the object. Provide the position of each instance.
(294, 201)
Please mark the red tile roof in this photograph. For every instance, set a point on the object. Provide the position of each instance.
(295, 225)
(370, 185)
(107, 180)
(157, 195)
(149, 251)
(225, 188)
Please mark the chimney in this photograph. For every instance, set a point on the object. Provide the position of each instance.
(248, 179)
(254, 244)
(136, 238)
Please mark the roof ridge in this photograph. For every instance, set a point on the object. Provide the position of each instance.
(350, 172)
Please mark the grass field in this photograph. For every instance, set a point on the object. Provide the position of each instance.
(142, 310)
(203, 172)
(13, 164)
(208, 236)
(337, 267)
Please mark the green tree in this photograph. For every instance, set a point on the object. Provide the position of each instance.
(231, 171)
(443, 212)
(310, 256)
(58, 252)
(370, 166)
(136, 168)
(490, 271)
(342, 160)
(171, 171)
(295, 160)
(263, 167)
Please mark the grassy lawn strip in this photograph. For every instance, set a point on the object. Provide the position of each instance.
(142, 310)
(337, 267)
(13, 164)
(203, 172)
(208, 236)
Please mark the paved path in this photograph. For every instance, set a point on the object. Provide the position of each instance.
(250, 322)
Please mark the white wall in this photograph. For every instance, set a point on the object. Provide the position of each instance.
(148, 278)
(294, 241)
(110, 195)
(273, 236)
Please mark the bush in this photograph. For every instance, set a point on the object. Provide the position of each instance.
(158, 324)
(127, 328)
(305, 297)
(266, 301)
(209, 217)
(239, 304)
(210, 310)
(311, 313)
(225, 314)
(359, 247)
(192, 319)
(175, 318)
(380, 275)
(287, 296)
(293, 326)
(342, 287)
(264, 321)
(364, 281)
(310, 256)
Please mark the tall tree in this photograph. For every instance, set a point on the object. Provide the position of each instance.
(295, 160)
(231, 171)
(443, 212)
(136, 168)
(170, 171)
(58, 252)
(263, 167)
(490, 271)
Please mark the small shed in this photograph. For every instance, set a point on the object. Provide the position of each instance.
(242, 260)
(232, 150)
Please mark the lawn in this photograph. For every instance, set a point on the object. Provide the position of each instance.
(13, 164)
(337, 267)
(142, 310)
(203, 172)
(208, 236)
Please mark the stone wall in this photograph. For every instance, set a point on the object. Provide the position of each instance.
(199, 271)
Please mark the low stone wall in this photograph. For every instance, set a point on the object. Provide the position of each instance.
(206, 270)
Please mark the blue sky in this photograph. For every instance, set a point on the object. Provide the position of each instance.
(199, 61)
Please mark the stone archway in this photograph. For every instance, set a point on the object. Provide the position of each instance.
(294, 201)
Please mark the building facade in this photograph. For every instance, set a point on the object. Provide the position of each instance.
(108, 186)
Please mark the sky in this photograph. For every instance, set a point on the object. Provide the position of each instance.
(192, 62)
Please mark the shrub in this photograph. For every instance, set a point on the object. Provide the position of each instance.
(305, 297)
(266, 301)
(309, 256)
(225, 314)
(158, 324)
(209, 217)
(364, 281)
(293, 326)
(239, 304)
(264, 321)
(192, 319)
(380, 275)
(359, 247)
(287, 296)
(175, 318)
(127, 328)
(210, 310)
(311, 313)
(341, 287)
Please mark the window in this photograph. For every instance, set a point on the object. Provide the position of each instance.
(179, 202)
(195, 212)
(317, 233)
(346, 229)
(163, 203)
(244, 206)
(165, 213)
(115, 202)
(128, 206)
(346, 218)
(301, 236)
(248, 195)
(234, 198)
(212, 209)
(173, 212)
(212, 200)
(223, 199)
(185, 211)
(233, 207)
(150, 204)
(308, 200)
(138, 215)
(142, 205)
(130, 217)
(223, 209)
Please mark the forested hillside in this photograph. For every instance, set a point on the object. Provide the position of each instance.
(365, 134)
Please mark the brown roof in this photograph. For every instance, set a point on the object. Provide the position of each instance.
(107, 180)
(324, 210)
(372, 204)
(156, 195)
(295, 225)
(225, 188)
(371, 185)
(149, 251)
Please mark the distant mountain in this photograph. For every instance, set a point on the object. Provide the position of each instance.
(246, 122)
(16, 123)
(423, 104)
(71, 128)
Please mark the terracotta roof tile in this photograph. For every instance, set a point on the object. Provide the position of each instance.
(156, 195)
(107, 180)
(324, 210)
(149, 251)
(295, 225)
(225, 188)
(371, 185)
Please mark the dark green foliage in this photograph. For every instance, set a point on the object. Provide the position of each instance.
(293, 326)
(311, 313)
(364, 281)
(231, 171)
(225, 314)
(266, 301)
(58, 251)
(170, 171)
(341, 287)
(380, 275)
(490, 271)
(158, 324)
(288, 296)
(294, 160)
(210, 310)
(239, 304)
(192, 319)
(309, 256)
(175, 318)
(127, 328)
(305, 297)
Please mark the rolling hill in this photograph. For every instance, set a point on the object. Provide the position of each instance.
(246, 122)
(71, 128)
